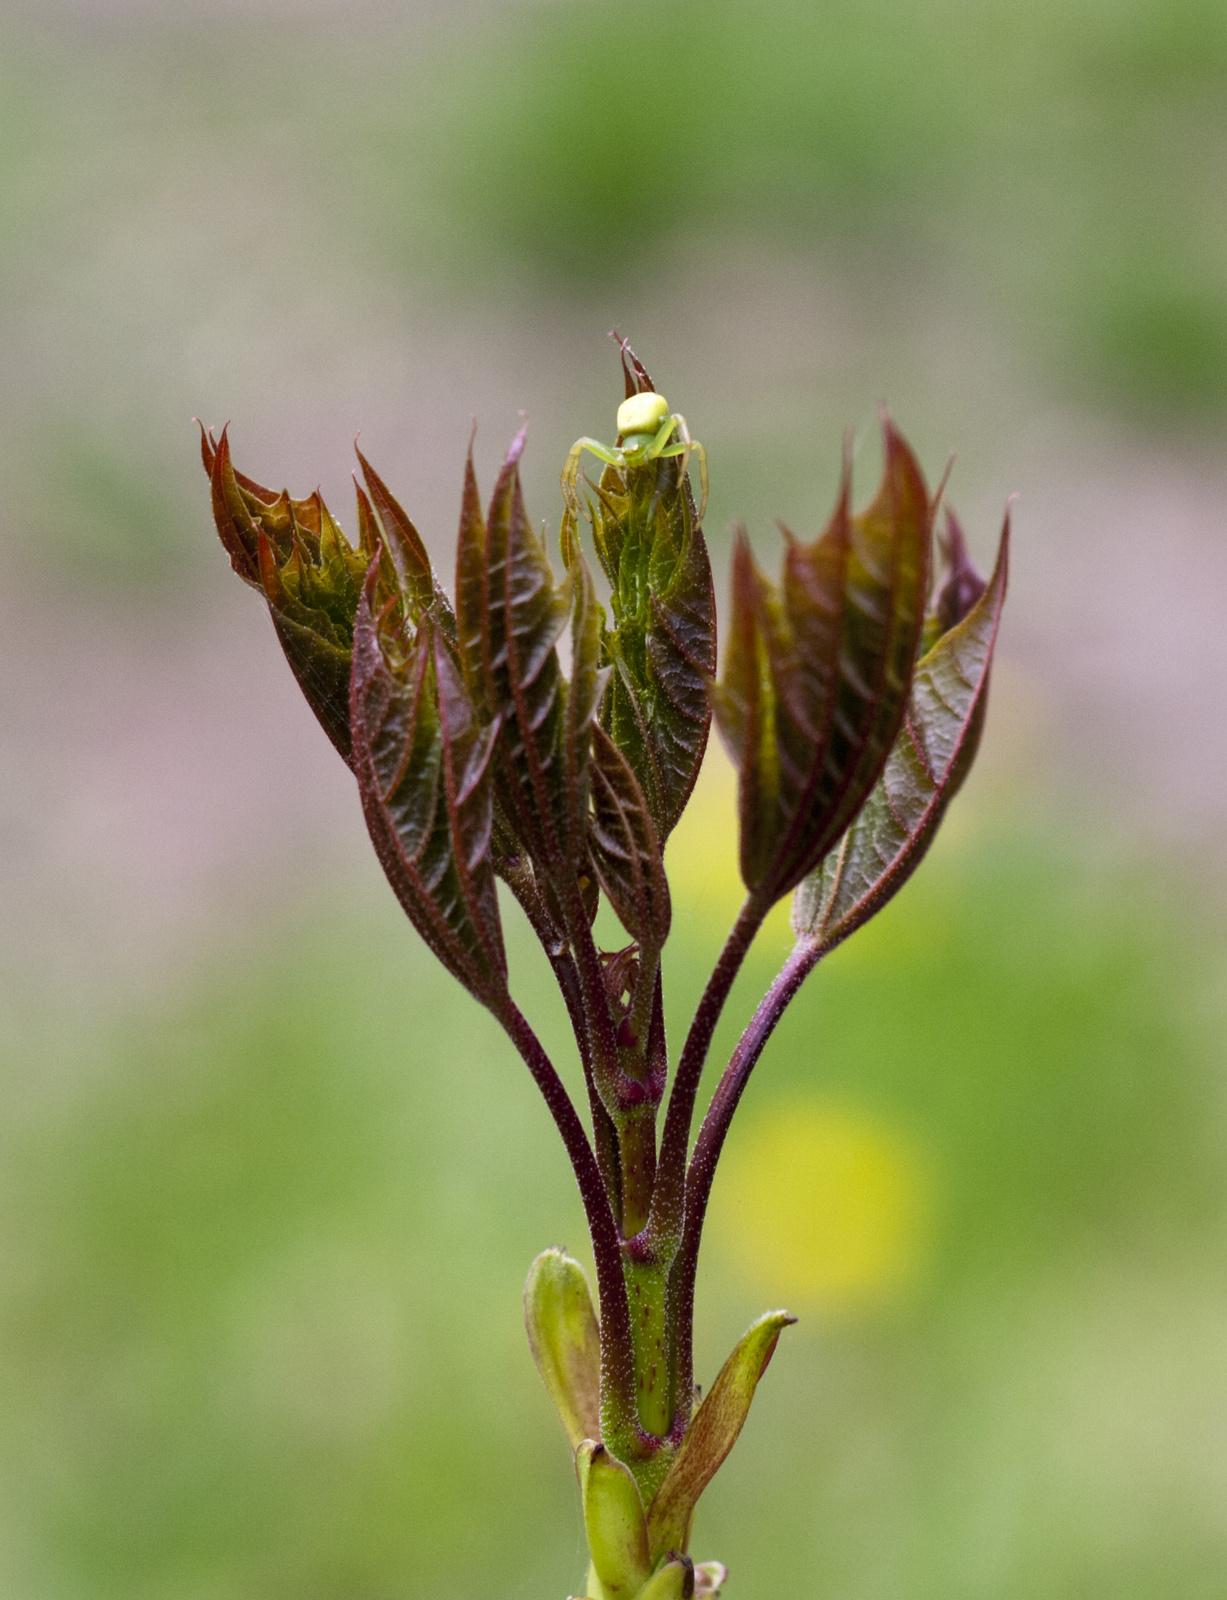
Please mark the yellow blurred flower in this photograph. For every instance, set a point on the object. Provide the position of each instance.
(824, 1205)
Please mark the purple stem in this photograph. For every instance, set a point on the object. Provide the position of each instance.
(666, 1220)
(617, 1358)
(522, 883)
(711, 1138)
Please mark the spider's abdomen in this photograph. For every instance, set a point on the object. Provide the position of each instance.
(642, 413)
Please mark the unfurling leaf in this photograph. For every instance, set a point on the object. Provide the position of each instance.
(625, 849)
(817, 673)
(565, 1339)
(510, 616)
(712, 1434)
(662, 641)
(613, 1517)
(421, 758)
(962, 585)
(294, 552)
(401, 539)
(929, 762)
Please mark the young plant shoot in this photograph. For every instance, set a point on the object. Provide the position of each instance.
(851, 698)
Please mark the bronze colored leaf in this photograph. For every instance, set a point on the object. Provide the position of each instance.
(930, 760)
(399, 536)
(625, 848)
(422, 760)
(296, 555)
(817, 673)
(510, 616)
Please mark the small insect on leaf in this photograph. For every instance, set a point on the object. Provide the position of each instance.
(817, 673)
(926, 768)
(422, 760)
(662, 642)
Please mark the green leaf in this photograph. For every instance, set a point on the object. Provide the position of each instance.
(565, 1338)
(422, 759)
(927, 766)
(510, 616)
(625, 848)
(662, 641)
(712, 1434)
(817, 673)
(614, 1521)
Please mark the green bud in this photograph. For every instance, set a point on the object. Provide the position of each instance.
(615, 1522)
(673, 1581)
(566, 1341)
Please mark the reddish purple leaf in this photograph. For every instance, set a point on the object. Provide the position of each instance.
(817, 673)
(510, 616)
(625, 848)
(928, 764)
(422, 760)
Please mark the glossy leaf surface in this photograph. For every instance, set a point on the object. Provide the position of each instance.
(712, 1434)
(817, 673)
(565, 1339)
(929, 762)
(421, 758)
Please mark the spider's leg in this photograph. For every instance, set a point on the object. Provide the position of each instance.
(570, 473)
(699, 451)
(686, 449)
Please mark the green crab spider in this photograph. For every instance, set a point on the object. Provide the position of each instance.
(647, 428)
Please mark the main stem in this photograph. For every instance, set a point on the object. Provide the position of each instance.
(626, 1100)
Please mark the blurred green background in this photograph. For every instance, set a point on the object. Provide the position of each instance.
(269, 1183)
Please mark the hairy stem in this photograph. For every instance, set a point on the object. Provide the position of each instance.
(521, 880)
(617, 1358)
(711, 1138)
(625, 1099)
(667, 1204)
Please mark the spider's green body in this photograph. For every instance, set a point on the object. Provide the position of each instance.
(647, 430)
